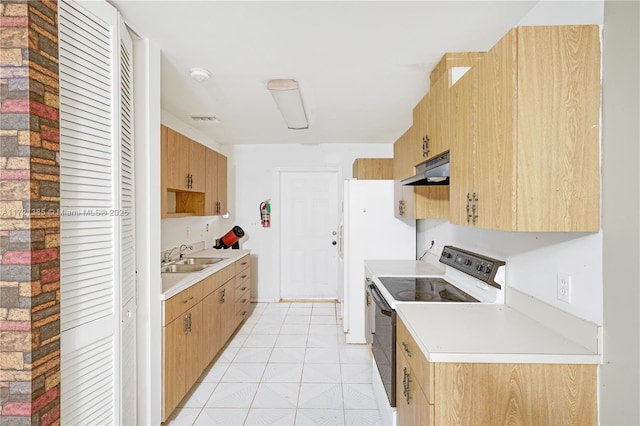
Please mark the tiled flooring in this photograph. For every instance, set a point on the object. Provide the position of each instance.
(288, 364)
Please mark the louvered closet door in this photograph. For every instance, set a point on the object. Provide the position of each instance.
(91, 246)
(127, 232)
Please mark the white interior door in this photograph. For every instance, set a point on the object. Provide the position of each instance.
(309, 225)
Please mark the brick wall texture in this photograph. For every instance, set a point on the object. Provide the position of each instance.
(29, 220)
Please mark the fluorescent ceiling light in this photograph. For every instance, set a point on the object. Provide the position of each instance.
(287, 96)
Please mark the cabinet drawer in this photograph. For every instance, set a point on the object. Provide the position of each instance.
(181, 302)
(242, 264)
(225, 274)
(415, 357)
(242, 287)
(242, 310)
(243, 301)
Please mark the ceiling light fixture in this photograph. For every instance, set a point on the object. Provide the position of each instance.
(200, 74)
(286, 94)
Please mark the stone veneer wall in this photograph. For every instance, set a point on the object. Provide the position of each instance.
(29, 219)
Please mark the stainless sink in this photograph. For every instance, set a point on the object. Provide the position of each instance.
(176, 269)
(199, 261)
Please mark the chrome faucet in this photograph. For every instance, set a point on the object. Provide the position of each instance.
(167, 255)
(184, 246)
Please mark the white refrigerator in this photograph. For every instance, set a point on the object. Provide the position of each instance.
(369, 231)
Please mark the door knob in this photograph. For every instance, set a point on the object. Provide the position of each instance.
(333, 243)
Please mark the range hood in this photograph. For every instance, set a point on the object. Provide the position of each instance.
(432, 172)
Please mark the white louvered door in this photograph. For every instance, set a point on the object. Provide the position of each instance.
(96, 238)
(127, 232)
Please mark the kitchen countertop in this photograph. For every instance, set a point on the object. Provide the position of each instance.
(402, 268)
(478, 332)
(487, 333)
(173, 284)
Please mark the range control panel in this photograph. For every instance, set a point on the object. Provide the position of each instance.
(478, 266)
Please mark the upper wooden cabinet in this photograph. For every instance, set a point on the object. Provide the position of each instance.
(373, 168)
(536, 149)
(415, 202)
(186, 166)
(431, 119)
(215, 197)
(193, 177)
(463, 97)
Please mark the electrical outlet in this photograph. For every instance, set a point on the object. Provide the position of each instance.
(564, 287)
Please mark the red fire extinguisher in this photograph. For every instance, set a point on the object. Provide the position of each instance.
(265, 213)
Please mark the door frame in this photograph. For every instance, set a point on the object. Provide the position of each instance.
(277, 213)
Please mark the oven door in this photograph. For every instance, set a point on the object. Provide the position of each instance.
(384, 342)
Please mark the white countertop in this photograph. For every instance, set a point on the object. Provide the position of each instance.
(478, 332)
(173, 284)
(487, 333)
(402, 268)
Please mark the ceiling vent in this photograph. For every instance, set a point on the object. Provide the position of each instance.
(205, 117)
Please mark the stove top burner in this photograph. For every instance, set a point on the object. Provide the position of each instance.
(424, 289)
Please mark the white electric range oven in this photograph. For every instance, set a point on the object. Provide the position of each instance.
(467, 277)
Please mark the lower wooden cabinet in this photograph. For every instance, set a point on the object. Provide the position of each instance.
(490, 393)
(197, 324)
(412, 405)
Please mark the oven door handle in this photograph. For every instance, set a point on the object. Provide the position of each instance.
(382, 304)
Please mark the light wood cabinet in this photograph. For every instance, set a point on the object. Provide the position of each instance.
(463, 164)
(490, 394)
(215, 197)
(193, 177)
(242, 294)
(198, 321)
(174, 337)
(415, 202)
(373, 168)
(431, 119)
(186, 171)
(536, 142)
(412, 405)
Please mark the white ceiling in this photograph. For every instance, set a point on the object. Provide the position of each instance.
(361, 66)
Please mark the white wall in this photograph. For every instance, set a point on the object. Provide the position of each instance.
(253, 177)
(619, 392)
(147, 174)
(533, 261)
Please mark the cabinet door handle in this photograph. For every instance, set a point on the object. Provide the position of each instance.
(244, 276)
(222, 295)
(243, 300)
(243, 288)
(474, 209)
(425, 145)
(217, 207)
(406, 380)
(468, 207)
(406, 349)
(186, 324)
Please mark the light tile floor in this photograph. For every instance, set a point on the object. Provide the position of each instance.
(288, 364)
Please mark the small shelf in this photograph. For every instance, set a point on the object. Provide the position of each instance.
(175, 215)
